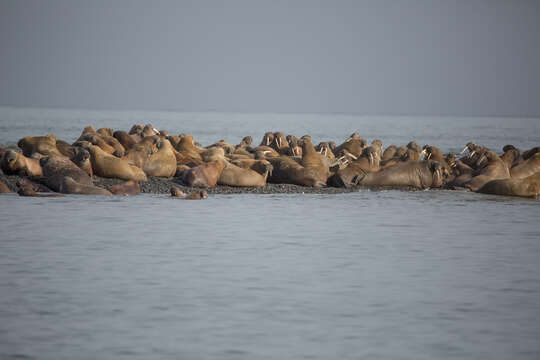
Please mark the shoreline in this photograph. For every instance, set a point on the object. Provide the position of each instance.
(156, 185)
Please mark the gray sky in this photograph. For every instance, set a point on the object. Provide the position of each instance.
(425, 57)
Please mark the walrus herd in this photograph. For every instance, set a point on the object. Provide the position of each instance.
(47, 164)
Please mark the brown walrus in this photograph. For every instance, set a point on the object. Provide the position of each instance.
(25, 190)
(196, 195)
(204, 175)
(63, 176)
(490, 167)
(44, 145)
(525, 187)
(312, 160)
(187, 147)
(286, 170)
(233, 175)
(129, 187)
(125, 139)
(355, 170)
(82, 160)
(18, 164)
(527, 168)
(162, 163)
(418, 174)
(4, 188)
(107, 165)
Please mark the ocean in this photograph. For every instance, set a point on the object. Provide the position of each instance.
(373, 274)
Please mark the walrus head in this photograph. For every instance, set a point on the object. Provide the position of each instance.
(438, 171)
(267, 139)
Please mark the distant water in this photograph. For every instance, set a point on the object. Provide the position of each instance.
(372, 274)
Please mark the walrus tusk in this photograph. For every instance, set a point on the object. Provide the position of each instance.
(325, 151)
(429, 156)
(370, 159)
(472, 154)
(156, 131)
(464, 149)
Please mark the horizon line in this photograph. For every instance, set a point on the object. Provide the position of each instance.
(213, 111)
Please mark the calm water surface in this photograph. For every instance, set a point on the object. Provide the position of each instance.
(373, 274)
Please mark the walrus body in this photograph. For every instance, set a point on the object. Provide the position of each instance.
(204, 175)
(416, 174)
(106, 165)
(63, 176)
(18, 164)
(44, 145)
(525, 187)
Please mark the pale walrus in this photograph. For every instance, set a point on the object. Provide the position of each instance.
(525, 187)
(44, 145)
(204, 175)
(17, 164)
(106, 165)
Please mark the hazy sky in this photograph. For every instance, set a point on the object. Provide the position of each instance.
(448, 57)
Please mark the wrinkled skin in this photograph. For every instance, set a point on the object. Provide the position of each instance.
(44, 145)
(416, 174)
(109, 166)
(63, 176)
(287, 171)
(14, 163)
(314, 161)
(125, 139)
(490, 167)
(366, 163)
(162, 163)
(204, 175)
(527, 168)
(233, 175)
(525, 187)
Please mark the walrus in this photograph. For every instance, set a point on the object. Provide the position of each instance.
(163, 162)
(267, 139)
(525, 187)
(312, 160)
(417, 174)
(204, 175)
(366, 163)
(511, 156)
(186, 147)
(176, 192)
(527, 168)
(65, 148)
(233, 175)
(286, 170)
(63, 176)
(490, 167)
(353, 145)
(25, 190)
(129, 187)
(44, 145)
(138, 155)
(197, 195)
(109, 166)
(125, 139)
(18, 164)
(389, 152)
(228, 148)
(4, 188)
(36, 186)
(82, 160)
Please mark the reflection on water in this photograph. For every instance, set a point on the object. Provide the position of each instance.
(373, 274)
